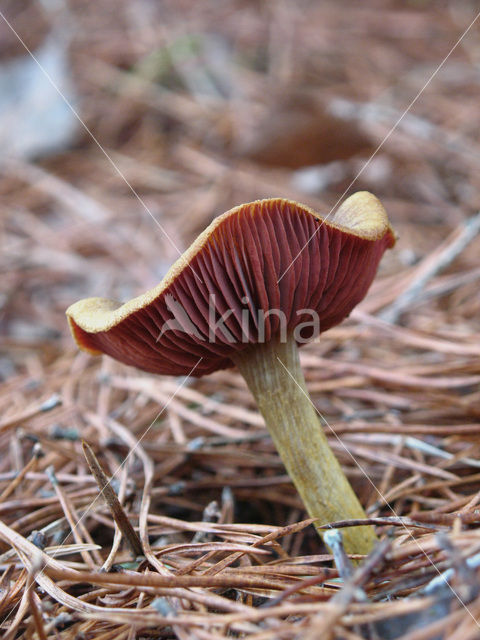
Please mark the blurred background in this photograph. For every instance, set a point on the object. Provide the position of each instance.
(130, 125)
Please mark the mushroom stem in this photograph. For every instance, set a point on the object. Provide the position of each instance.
(272, 372)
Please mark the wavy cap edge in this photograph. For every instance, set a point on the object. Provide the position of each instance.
(361, 215)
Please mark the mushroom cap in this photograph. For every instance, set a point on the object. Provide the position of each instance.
(256, 270)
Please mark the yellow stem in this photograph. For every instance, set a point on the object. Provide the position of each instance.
(274, 376)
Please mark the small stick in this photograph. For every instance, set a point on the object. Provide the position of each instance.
(396, 521)
(333, 539)
(353, 586)
(112, 501)
(299, 586)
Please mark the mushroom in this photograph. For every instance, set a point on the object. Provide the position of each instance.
(261, 280)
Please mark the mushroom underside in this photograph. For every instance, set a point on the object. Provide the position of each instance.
(264, 270)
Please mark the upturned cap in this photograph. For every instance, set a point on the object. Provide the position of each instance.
(256, 270)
